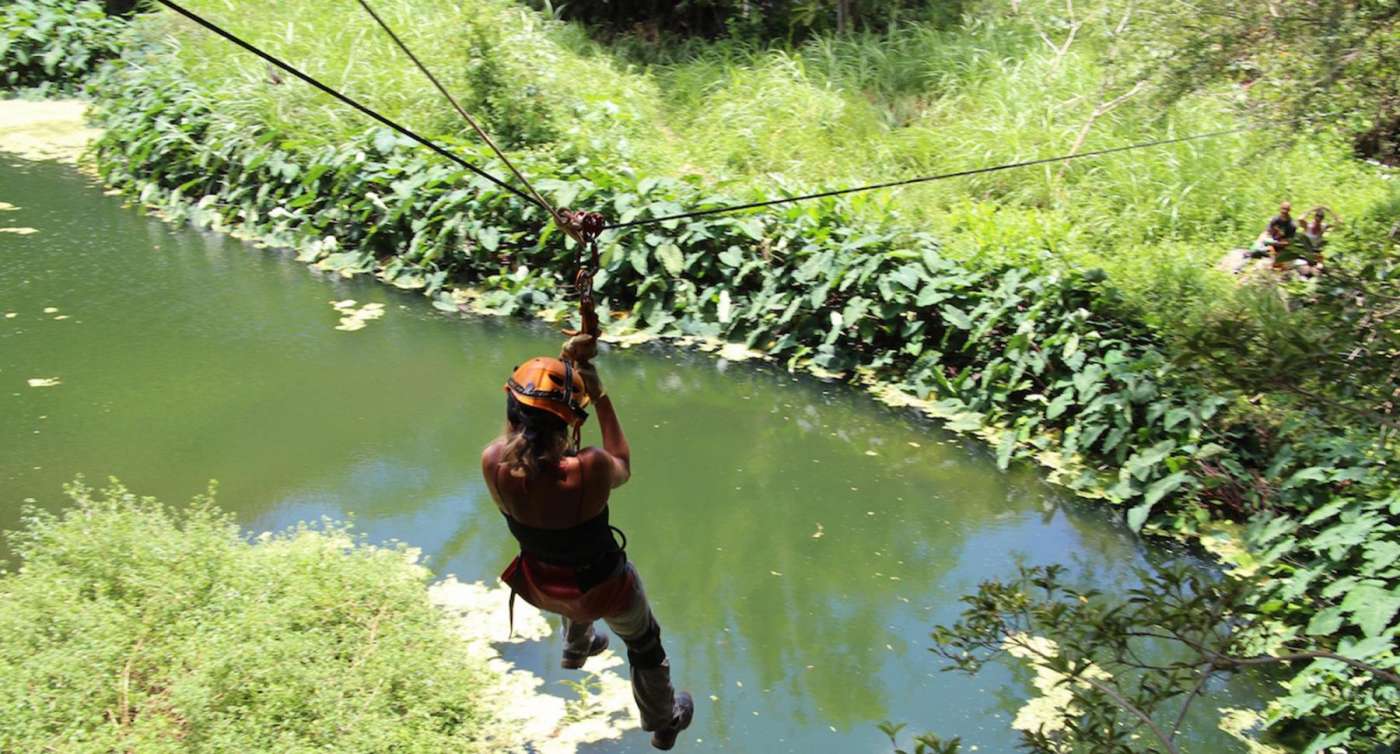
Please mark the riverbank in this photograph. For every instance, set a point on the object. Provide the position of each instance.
(45, 129)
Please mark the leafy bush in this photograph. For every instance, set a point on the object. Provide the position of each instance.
(1129, 671)
(133, 626)
(54, 45)
(1332, 578)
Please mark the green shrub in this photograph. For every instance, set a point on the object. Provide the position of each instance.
(54, 45)
(134, 626)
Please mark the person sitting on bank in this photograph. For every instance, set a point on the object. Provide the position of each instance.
(1277, 237)
(555, 503)
(1314, 227)
(1310, 258)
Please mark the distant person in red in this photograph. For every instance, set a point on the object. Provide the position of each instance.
(555, 502)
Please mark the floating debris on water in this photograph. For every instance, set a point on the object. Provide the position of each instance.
(538, 721)
(355, 319)
(11, 315)
(44, 381)
(7, 207)
(19, 231)
(61, 316)
(871, 453)
(818, 534)
(51, 310)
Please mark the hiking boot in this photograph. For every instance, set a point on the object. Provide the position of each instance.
(575, 660)
(665, 738)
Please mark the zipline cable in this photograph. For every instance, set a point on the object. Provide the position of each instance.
(924, 179)
(540, 200)
(352, 103)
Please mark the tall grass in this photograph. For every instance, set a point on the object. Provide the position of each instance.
(834, 111)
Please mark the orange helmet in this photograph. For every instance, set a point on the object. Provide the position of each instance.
(551, 385)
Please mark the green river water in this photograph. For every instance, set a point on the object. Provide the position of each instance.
(797, 538)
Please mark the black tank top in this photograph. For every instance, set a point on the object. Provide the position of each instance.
(578, 545)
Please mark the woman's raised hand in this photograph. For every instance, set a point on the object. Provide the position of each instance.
(580, 349)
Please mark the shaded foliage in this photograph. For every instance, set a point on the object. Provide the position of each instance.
(1133, 668)
(1315, 62)
(54, 45)
(1330, 347)
(750, 19)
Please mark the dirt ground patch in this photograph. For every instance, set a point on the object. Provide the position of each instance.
(45, 130)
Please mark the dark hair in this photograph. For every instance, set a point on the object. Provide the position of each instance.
(534, 439)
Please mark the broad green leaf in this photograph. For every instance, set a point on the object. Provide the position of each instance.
(956, 317)
(1310, 474)
(1160, 488)
(1137, 516)
(1325, 622)
(1371, 607)
(1143, 461)
(1061, 404)
(1324, 741)
(638, 258)
(671, 258)
(1175, 417)
(1366, 648)
(1005, 449)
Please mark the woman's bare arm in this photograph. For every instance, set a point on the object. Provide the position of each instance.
(488, 471)
(614, 442)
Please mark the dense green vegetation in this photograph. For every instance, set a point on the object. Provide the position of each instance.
(134, 626)
(54, 45)
(1075, 309)
(737, 116)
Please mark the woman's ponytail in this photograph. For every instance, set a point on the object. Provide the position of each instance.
(534, 440)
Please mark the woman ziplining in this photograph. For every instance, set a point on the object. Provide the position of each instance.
(554, 494)
(554, 497)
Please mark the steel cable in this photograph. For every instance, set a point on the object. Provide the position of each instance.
(923, 179)
(540, 200)
(211, 26)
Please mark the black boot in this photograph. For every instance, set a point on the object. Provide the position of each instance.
(575, 660)
(665, 738)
